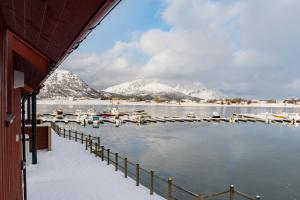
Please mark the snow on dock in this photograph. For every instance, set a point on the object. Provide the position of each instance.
(70, 173)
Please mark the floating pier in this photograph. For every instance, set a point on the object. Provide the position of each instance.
(235, 118)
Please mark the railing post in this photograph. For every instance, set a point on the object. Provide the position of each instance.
(81, 138)
(96, 150)
(116, 161)
(170, 196)
(201, 197)
(98, 141)
(125, 167)
(86, 143)
(257, 197)
(69, 134)
(231, 192)
(91, 146)
(59, 131)
(151, 182)
(75, 136)
(137, 174)
(89, 137)
(102, 153)
(64, 133)
(108, 153)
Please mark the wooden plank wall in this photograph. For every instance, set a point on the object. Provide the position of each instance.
(10, 145)
(42, 137)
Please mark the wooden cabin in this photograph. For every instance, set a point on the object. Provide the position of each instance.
(35, 37)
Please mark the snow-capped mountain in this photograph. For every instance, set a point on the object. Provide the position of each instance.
(63, 83)
(197, 89)
(142, 87)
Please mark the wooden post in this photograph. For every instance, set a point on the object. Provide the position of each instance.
(102, 153)
(116, 162)
(108, 153)
(89, 137)
(151, 182)
(75, 136)
(96, 150)
(170, 196)
(98, 141)
(231, 192)
(64, 133)
(81, 138)
(69, 134)
(137, 174)
(125, 167)
(91, 146)
(49, 139)
(59, 131)
(86, 144)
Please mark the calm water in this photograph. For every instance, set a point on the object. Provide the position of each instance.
(205, 157)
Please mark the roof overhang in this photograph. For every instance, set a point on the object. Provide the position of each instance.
(53, 28)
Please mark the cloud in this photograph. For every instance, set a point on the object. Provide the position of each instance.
(247, 48)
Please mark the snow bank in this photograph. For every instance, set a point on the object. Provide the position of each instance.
(71, 173)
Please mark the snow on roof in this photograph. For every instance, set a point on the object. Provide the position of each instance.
(71, 173)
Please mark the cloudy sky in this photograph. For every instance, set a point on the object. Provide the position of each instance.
(248, 48)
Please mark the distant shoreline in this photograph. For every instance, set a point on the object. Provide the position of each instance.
(143, 103)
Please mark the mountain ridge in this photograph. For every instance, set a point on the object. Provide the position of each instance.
(65, 84)
(142, 87)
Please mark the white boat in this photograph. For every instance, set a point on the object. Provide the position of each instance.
(215, 115)
(118, 122)
(83, 119)
(78, 112)
(91, 112)
(191, 115)
(59, 114)
(114, 111)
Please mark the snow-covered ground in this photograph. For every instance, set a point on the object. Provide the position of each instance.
(69, 172)
(143, 103)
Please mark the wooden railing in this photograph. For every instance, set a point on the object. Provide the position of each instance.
(156, 184)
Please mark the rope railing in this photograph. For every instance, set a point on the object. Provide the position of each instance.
(156, 184)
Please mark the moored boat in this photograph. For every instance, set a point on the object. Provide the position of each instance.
(215, 115)
(191, 115)
(59, 113)
(91, 112)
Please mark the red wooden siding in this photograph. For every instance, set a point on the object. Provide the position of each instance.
(10, 154)
(42, 137)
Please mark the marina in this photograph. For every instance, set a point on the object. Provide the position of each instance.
(141, 117)
(260, 150)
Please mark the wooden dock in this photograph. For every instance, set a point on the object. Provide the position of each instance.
(237, 118)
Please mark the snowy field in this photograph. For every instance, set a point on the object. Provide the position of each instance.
(69, 172)
(143, 103)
